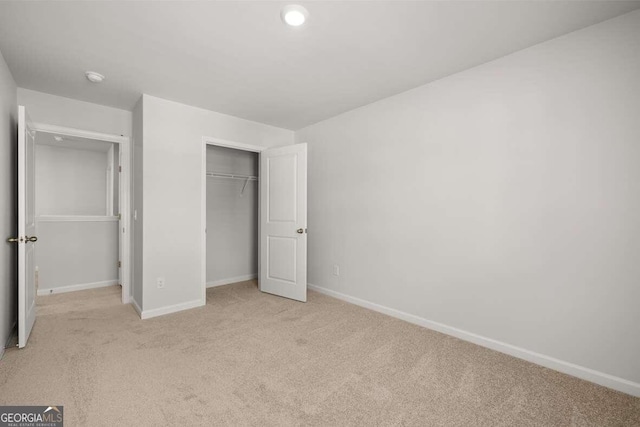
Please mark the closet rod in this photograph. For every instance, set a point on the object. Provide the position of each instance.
(231, 176)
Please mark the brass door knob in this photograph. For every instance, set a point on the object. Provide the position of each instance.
(31, 239)
(13, 240)
(300, 230)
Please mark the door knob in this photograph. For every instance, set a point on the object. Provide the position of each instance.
(13, 240)
(31, 239)
(300, 230)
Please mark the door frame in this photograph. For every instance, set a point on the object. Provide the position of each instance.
(207, 140)
(124, 238)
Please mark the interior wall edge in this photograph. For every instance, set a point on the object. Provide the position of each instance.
(587, 374)
(136, 307)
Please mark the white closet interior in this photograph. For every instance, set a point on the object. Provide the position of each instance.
(76, 200)
(232, 215)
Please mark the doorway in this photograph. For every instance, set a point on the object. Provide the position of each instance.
(82, 210)
(27, 212)
(254, 216)
(232, 215)
(77, 200)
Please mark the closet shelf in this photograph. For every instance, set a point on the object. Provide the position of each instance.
(245, 178)
(76, 218)
(231, 176)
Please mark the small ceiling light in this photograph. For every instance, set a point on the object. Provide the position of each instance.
(294, 15)
(58, 138)
(94, 77)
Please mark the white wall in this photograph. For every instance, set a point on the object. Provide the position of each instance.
(232, 218)
(172, 194)
(73, 254)
(8, 196)
(60, 111)
(70, 181)
(502, 201)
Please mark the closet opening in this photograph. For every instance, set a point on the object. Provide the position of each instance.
(78, 201)
(254, 217)
(232, 216)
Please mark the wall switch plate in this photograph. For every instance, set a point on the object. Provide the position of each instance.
(160, 282)
(336, 270)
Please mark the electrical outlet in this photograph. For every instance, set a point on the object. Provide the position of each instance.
(336, 270)
(160, 281)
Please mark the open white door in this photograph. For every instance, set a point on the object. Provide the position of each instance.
(283, 221)
(26, 228)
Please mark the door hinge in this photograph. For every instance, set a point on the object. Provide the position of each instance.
(119, 264)
(119, 168)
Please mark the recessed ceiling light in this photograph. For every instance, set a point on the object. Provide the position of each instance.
(58, 138)
(294, 15)
(94, 77)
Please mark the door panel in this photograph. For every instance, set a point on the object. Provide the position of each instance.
(283, 221)
(26, 228)
(282, 188)
(282, 259)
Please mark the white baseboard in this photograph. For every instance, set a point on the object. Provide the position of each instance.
(231, 280)
(568, 368)
(136, 307)
(148, 314)
(79, 287)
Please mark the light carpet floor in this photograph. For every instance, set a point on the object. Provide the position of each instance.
(249, 358)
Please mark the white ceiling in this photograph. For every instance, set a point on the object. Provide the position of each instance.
(239, 58)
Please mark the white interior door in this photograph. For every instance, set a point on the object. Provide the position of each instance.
(283, 221)
(26, 228)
